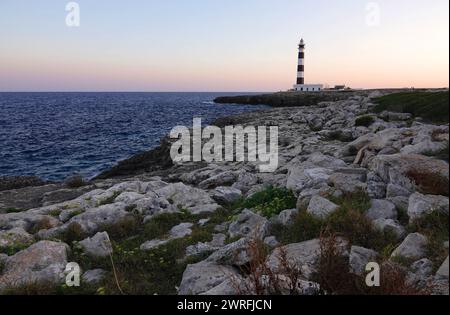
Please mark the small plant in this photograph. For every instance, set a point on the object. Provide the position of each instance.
(12, 210)
(75, 181)
(109, 200)
(123, 228)
(130, 208)
(43, 224)
(262, 279)
(364, 121)
(271, 201)
(54, 213)
(435, 226)
(339, 136)
(74, 232)
(11, 250)
(304, 227)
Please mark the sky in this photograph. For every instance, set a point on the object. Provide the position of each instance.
(222, 45)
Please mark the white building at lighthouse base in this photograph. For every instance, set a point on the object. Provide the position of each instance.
(308, 87)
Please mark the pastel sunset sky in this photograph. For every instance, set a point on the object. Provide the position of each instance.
(221, 45)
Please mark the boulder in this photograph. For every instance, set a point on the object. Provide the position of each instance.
(41, 263)
(98, 246)
(321, 207)
(421, 205)
(390, 226)
(15, 238)
(233, 254)
(347, 183)
(226, 178)
(194, 200)
(303, 255)
(381, 209)
(93, 277)
(397, 191)
(181, 230)
(217, 242)
(95, 219)
(249, 224)
(271, 241)
(413, 247)
(359, 258)
(286, 217)
(422, 268)
(204, 276)
(226, 195)
(149, 245)
(442, 273)
(245, 181)
(394, 169)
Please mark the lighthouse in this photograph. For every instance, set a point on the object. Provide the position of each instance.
(300, 85)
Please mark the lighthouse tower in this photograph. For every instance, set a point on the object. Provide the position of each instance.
(301, 63)
(300, 85)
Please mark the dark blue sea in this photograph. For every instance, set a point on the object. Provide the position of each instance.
(55, 135)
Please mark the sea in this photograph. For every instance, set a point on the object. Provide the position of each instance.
(56, 135)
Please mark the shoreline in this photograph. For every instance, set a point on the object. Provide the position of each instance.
(376, 181)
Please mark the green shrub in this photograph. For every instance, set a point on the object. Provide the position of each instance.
(75, 181)
(12, 210)
(271, 201)
(435, 226)
(431, 106)
(303, 228)
(364, 121)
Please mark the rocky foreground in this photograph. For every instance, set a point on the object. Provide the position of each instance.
(352, 187)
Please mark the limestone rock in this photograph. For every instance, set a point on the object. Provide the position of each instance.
(193, 199)
(389, 225)
(41, 263)
(286, 217)
(359, 258)
(249, 224)
(181, 230)
(93, 277)
(413, 247)
(420, 205)
(347, 183)
(204, 276)
(16, 237)
(381, 209)
(321, 207)
(442, 273)
(226, 195)
(303, 255)
(98, 246)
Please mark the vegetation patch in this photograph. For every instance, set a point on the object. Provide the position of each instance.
(11, 250)
(109, 200)
(13, 210)
(435, 226)
(429, 183)
(348, 221)
(271, 201)
(431, 106)
(364, 121)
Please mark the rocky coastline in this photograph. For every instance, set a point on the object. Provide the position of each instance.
(353, 186)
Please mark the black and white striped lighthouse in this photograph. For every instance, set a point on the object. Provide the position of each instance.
(301, 63)
(301, 86)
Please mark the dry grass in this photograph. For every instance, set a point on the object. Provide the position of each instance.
(429, 183)
(335, 278)
(261, 279)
